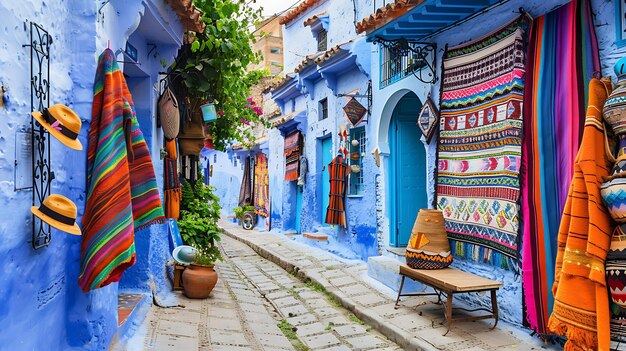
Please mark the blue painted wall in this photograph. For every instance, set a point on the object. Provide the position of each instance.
(39, 288)
(385, 99)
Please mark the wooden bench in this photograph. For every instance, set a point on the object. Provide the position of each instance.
(450, 281)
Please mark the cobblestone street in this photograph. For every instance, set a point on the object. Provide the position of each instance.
(257, 305)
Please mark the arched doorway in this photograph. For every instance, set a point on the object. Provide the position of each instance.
(406, 170)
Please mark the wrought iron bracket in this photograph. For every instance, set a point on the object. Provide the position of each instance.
(40, 41)
(424, 54)
(368, 95)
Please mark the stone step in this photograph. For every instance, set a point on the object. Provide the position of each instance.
(387, 271)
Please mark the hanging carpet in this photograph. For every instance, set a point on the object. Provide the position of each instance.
(339, 171)
(480, 145)
(293, 150)
(261, 186)
(245, 191)
(562, 56)
(171, 186)
(122, 193)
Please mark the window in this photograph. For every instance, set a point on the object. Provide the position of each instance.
(356, 159)
(398, 63)
(293, 105)
(274, 63)
(322, 40)
(214, 158)
(275, 50)
(323, 108)
(235, 161)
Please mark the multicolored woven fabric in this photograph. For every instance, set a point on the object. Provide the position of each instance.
(171, 186)
(339, 171)
(293, 150)
(581, 302)
(261, 186)
(555, 88)
(480, 145)
(122, 193)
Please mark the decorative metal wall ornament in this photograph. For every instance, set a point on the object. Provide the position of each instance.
(427, 120)
(368, 95)
(422, 56)
(40, 41)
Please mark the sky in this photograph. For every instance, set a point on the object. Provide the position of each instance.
(271, 7)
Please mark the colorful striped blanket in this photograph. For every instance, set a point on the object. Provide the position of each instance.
(122, 193)
(480, 145)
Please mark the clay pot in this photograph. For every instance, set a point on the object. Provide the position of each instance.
(615, 107)
(199, 281)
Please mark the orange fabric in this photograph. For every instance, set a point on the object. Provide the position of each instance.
(581, 306)
(172, 196)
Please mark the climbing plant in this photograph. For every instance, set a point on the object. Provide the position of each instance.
(214, 66)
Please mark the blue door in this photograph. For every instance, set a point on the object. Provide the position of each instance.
(407, 176)
(327, 157)
(298, 208)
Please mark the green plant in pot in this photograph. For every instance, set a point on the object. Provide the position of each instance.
(200, 211)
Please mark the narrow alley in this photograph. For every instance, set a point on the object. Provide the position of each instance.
(257, 306)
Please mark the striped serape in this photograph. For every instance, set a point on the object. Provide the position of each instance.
(557, 77)
(581, 302)
(293, 150)
(338, 170)
(122, 193)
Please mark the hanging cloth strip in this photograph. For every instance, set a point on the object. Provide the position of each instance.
(261, 186)
(293, 150)
(555, 94)
(171, 186)
(581, 303)
(339, 171)
(245, 191)
(122, 193)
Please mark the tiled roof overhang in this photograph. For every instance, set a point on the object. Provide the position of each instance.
(291, 15)
(189, 15)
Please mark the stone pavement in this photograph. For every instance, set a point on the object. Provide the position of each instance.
(417, 325)
(256, 305)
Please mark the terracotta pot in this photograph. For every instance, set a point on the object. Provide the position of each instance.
(199, 281)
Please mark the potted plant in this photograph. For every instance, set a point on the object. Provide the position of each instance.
(200, 211)
(200, 277)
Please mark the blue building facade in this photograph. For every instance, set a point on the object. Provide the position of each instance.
(43, 307)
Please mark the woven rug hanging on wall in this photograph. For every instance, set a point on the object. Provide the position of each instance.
(478, 182)
(293, 150)
(261, 186)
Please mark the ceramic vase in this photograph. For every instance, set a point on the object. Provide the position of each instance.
(199, 281)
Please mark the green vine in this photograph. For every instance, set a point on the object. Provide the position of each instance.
(214, 67)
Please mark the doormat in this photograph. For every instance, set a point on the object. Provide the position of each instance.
(478, 181)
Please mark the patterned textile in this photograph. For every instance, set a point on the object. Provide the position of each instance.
(480, 145)
(304, 169)
(554, 96)
(339, 171)
(122, 193)
(581, 304)
(261, 186)
(245, 192)
(171, 186)
(293, 150)
(422, 260)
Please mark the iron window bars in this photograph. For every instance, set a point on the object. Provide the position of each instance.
(402, 57)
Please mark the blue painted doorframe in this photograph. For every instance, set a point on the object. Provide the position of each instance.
(326, 158)
(407, 170)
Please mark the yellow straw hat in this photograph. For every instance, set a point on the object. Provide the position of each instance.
(59, 212)
(63, 123)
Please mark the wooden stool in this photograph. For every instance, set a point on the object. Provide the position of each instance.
(178, 276)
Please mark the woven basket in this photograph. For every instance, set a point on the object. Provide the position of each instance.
(429, 247)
